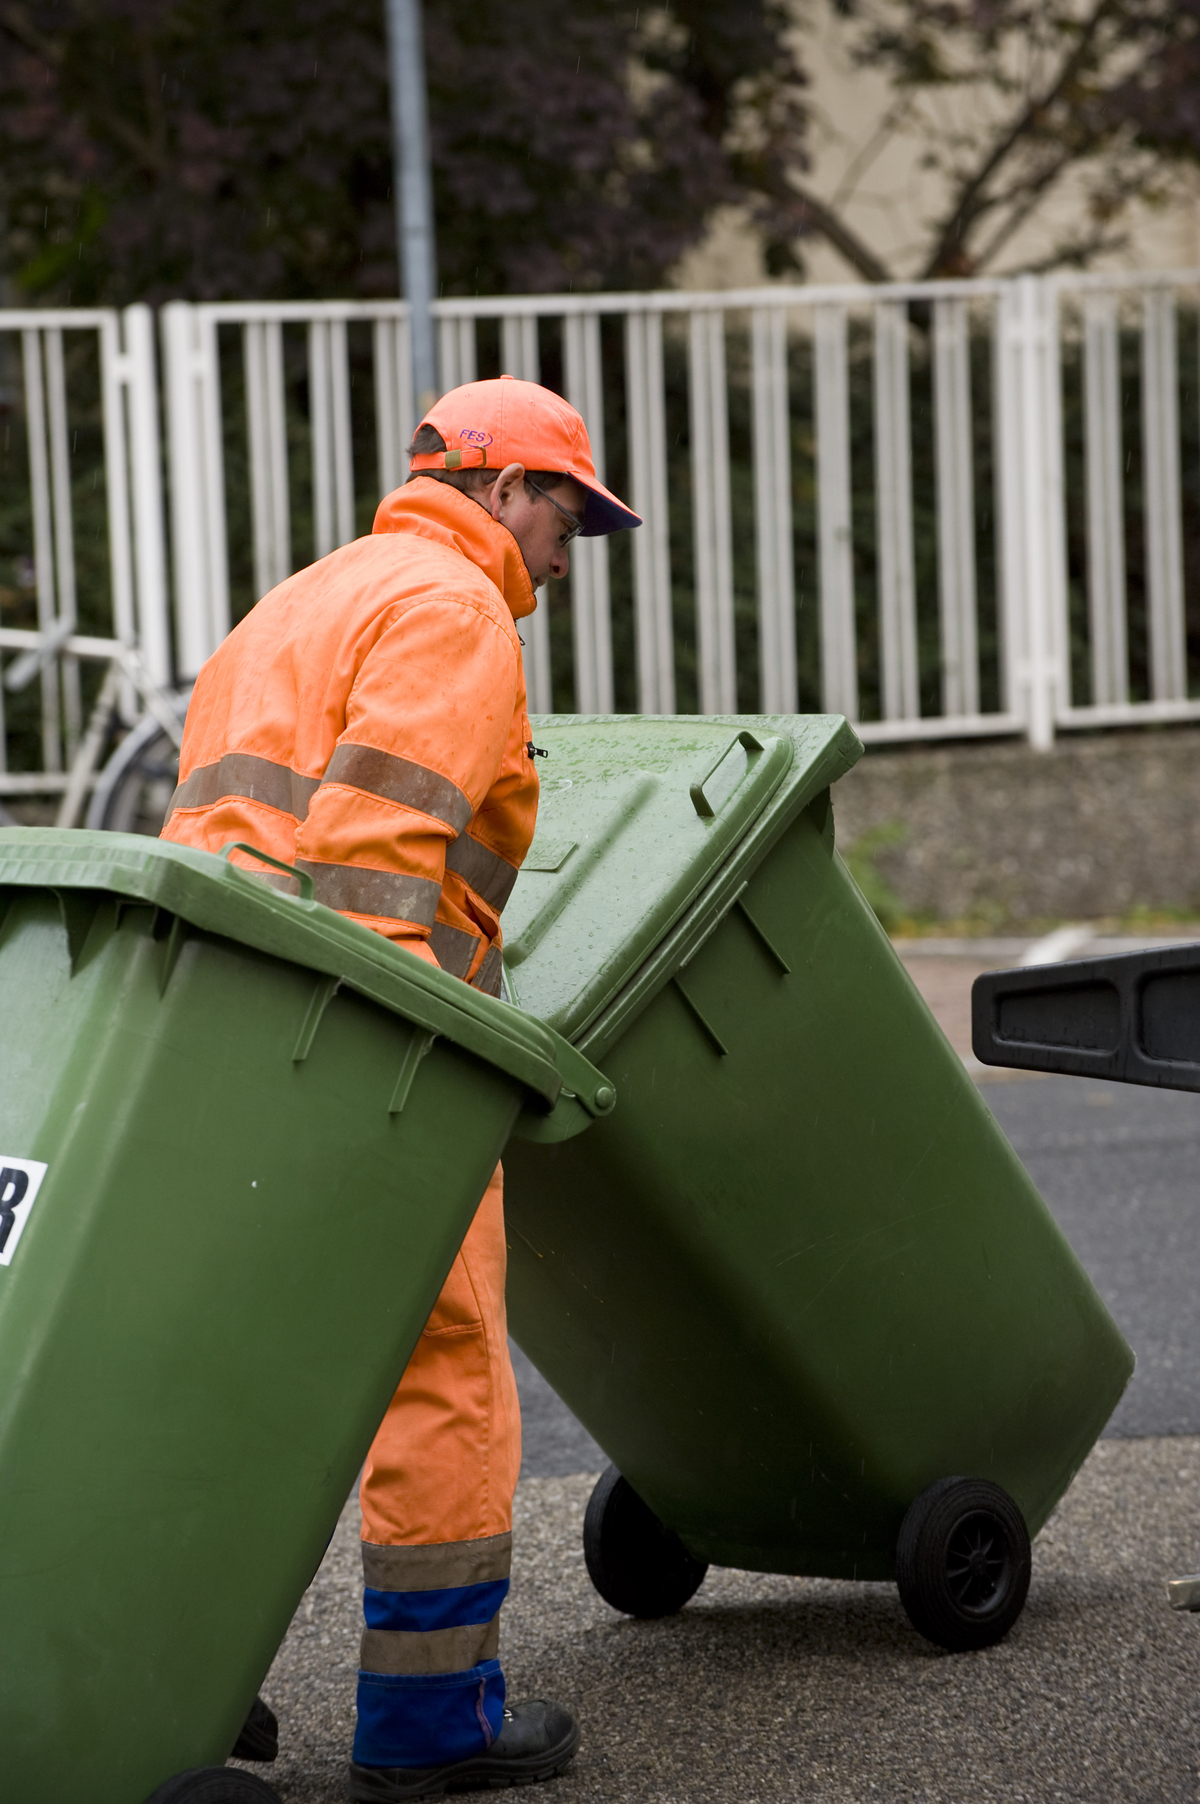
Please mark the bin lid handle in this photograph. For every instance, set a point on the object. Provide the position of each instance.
(700, 801)
(307, 892)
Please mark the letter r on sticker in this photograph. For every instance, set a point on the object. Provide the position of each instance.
(13, 1185)
(20, 1181)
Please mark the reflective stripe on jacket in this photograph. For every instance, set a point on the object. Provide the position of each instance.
(367, 722)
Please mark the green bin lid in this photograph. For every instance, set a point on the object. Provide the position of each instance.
(639, 816)
(218, 897)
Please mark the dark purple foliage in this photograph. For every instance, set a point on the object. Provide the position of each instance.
(160, 147)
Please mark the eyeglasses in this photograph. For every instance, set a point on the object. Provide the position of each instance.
(575, 525)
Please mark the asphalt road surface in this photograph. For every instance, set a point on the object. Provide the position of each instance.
(1120, 1168)
(809, 1691)
(767, 1690)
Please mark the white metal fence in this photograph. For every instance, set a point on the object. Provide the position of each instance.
(909, 504)
(124, 616)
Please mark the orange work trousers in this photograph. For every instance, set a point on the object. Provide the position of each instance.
(444, 1464)
(436, 1496)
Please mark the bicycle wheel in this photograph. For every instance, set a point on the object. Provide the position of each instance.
(135, 787)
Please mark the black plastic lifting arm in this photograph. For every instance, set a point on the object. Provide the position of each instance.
(1132, 1019)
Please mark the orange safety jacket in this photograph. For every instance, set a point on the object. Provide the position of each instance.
(367, 722)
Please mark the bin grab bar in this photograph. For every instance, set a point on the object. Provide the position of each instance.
(307, 892)
(700, 801)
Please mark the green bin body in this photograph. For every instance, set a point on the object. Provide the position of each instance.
(799, 1274)
(264, 1132)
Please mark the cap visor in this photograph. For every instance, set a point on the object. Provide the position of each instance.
(603, 513)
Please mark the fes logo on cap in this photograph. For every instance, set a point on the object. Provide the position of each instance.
(487, 425)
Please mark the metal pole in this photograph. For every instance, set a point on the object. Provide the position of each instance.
(413, 190)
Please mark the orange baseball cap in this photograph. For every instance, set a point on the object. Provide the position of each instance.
(487, 425)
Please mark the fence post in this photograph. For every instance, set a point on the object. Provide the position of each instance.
(712, 526)
(199, 551)
(773, 511)
(395, 420)
(116, 482)
(66, 613)
(589, 557)
(1028, 416)
(146, 470)
(1164, 529)
(266, 420)
(1105, 498)
(43, 538)
(652, 543)
(839, 658)
(520, 356)
(955, 506)
(893, 504)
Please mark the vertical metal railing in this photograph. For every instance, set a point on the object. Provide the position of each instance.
(769, 323)
(1103, 458)
(456, 349)
(262, 345)
(839, 637)
(332, 438)
(957, 587)
(51, 526)
(1134, 434)
(1030, 494)
(119, 416)
(646, 410)
(520, 356)
(590, 594)
(773, 511)
(763, 434)
(1164, 551)
(395, 407)
(199, 533)
(135, 373)
(893, 499)
(712, 526)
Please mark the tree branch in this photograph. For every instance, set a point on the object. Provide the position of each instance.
(816, 216)
(1078, 251)
(15, 20)
(1022, 203)
(948, 251)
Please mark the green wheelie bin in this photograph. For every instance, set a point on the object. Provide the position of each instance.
(798, 1287)
(241, 1139)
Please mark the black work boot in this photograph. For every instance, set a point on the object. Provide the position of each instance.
(259, 1739)
(536, 1742)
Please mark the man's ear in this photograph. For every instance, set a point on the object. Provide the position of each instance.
(505, 487)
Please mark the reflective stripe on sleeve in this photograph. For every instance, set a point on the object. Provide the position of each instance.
(244, 774)
(453, 947)
(399, 780)
(438, 1650)
(438, 1567)
(487, 978)
(489, 875)
(391, 895)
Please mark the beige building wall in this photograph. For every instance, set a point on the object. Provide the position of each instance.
(873, 170)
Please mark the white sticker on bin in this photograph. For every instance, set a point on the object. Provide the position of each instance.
(20, 1181)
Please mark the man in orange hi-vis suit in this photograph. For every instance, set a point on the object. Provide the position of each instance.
(367, 722)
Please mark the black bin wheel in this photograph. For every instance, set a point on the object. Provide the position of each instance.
(636, 1562)
(962, 1563)
(214, 1785)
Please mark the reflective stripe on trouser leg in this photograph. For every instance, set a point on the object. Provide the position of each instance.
(430, 1688)
(437, 1516)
